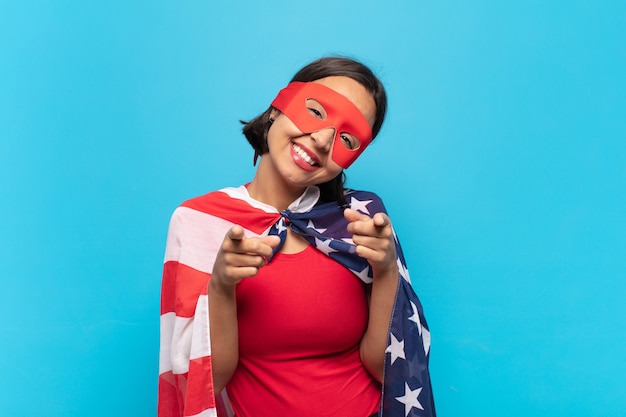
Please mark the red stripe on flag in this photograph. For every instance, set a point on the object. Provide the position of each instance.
(181, 287)
(220, 204)
(170, 402)
(168, 287)
(200, 396)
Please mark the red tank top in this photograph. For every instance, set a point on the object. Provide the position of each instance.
(301, 320)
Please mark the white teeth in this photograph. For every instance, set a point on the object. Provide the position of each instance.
(303, 154)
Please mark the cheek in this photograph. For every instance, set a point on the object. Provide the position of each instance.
(281, 131)
(332, 168)
(286, 126)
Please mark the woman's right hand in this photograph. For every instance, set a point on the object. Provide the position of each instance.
(240, 257)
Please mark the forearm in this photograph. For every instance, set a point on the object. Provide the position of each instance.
(374, 342)
(224, 334)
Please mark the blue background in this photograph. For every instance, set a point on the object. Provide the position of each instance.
(506, 130)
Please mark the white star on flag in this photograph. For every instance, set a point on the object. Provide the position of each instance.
(281, 226)
(324, 246)
(404, 272)
(359, 205)
(363, 275)
(415, 318)
(409, 399)
(348, 240)
(396, 348)
(426, 340)
(312, 226)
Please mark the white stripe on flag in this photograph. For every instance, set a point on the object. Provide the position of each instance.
(200, 234)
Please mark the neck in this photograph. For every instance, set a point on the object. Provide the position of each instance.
(270, 189)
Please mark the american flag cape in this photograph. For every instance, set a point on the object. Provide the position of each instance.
(196, 232)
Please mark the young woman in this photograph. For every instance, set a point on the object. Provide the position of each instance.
(288, 296)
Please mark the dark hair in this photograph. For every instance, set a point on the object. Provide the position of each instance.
(256, 129)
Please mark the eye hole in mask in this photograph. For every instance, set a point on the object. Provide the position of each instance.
(313, 107)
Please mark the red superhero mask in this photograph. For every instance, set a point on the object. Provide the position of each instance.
(341, 115)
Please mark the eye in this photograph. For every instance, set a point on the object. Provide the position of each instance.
(316, 109)
(349, 141)
(315, 112)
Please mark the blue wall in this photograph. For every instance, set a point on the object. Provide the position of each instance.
(506, 128)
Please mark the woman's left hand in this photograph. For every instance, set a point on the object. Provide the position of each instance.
(373, 237)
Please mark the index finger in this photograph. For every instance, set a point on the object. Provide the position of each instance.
(381, 220)
(236, 233)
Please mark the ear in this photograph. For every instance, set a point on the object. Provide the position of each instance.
(274, 113)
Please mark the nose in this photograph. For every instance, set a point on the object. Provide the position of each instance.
(323, 138)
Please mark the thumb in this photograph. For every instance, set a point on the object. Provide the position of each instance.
(271, 241)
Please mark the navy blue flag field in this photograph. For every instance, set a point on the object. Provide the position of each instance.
(407, 390)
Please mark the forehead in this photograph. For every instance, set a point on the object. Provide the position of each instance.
(353, 91)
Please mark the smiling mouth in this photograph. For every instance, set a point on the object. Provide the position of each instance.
(302, 154)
